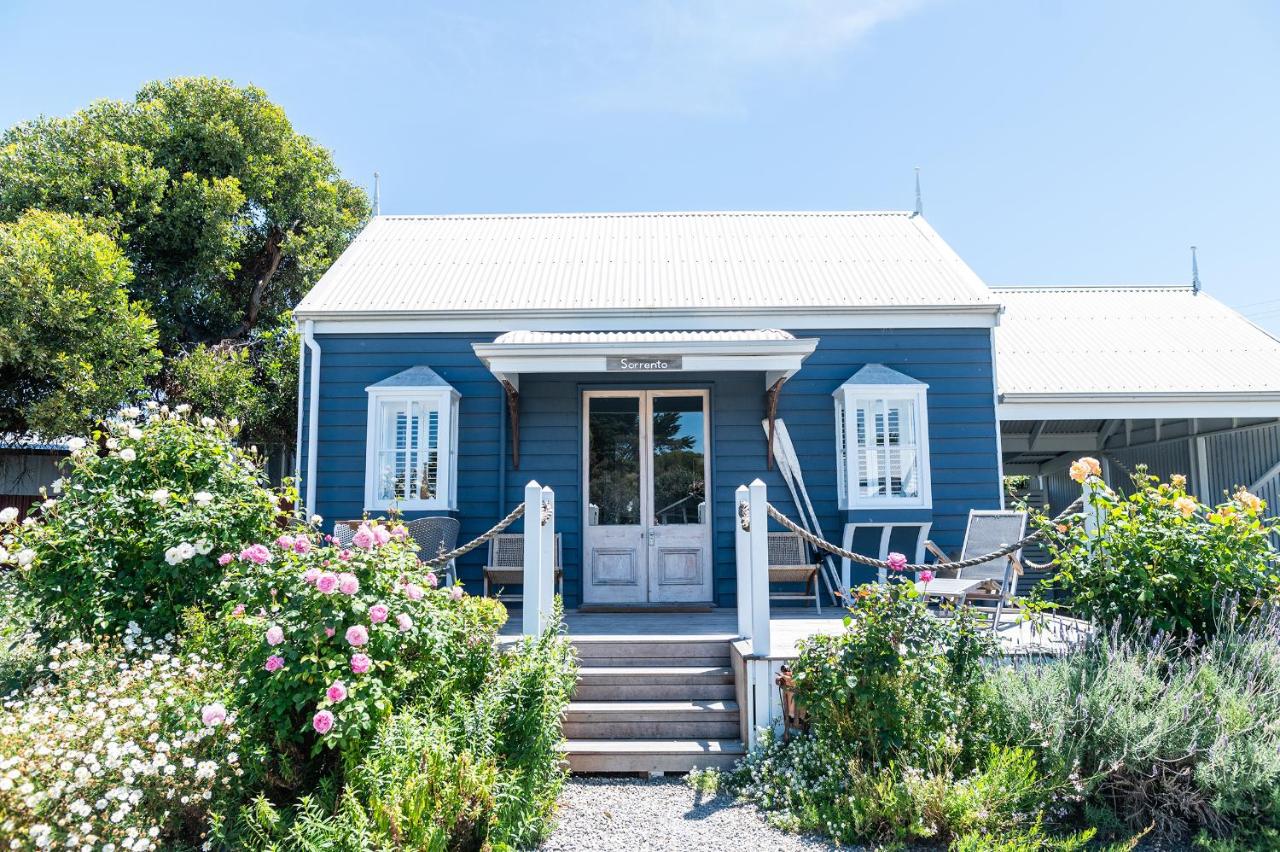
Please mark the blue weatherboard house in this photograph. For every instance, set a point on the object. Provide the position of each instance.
(633, 363)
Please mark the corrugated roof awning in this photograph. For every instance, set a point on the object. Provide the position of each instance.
(777, 354)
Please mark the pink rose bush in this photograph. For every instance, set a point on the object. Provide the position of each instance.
(337, 647)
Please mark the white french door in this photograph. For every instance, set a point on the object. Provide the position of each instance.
(647, 524)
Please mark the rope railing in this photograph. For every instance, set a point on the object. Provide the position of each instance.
(444, 558)
(823, 544)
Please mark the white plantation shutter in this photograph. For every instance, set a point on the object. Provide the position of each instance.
(411, 459)
(882, 444)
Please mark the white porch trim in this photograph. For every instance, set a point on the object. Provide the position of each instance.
(778, 355)
(1152, 406)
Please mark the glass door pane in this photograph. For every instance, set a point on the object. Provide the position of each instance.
(679, 460)
(613, 463)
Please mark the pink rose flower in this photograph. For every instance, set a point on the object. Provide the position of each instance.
(327, 582)
(285, 542)
(337, 692)
(256, 553)
(225, 559)
(274, 663)
(310, 576)
(363, 538)
(413, 592)
(344, 555)
(275, 635)
(405, 622)
(360, 663)
(432, 579)
(378, 613)
(329, 631)
(398, 531)
(238, 611)
(897, 562)
(455, 593)
(357, 635)
(926, 577)
(322, 722)
(213, 715)
(348, 584)
(380, 535)
(302, 545)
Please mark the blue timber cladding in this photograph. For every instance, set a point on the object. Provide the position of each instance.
(956, 363)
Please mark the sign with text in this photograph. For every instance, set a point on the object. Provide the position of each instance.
(643, 364)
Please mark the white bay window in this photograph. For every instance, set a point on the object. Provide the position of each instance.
(882, 440)
(411, 452)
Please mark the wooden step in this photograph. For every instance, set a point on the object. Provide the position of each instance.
(676, 755)
(616, 720)
(613, 651)
(653, 683)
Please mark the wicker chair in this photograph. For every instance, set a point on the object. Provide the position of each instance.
(434, 536)
(506, 565)
(343, 534)
(789, 563)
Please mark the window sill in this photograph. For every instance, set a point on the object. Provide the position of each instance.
(412, 506)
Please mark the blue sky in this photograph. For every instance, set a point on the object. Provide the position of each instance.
(1060, 141)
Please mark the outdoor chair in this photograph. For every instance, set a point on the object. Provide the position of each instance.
(506, 566)
(988, 531)
(789, 563)
(343, 534)
(434, 536)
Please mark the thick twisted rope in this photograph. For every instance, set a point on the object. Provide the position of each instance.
(823, 544)
(443, 558)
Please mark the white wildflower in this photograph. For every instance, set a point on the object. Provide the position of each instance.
(160, 496)
(202, 498)
(127, 454)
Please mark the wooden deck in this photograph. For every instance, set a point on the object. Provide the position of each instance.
(787, 627)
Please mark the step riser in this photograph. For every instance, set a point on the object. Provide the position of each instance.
(709, 730)
(622, 661)
(676, 653)
(654, 692)
(649, 762)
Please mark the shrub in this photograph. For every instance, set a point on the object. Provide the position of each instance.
(1158, 730)
(134, 750)
(1162, 557)
(455, 771)
(143, 512)
(346, 634)
(898, 682)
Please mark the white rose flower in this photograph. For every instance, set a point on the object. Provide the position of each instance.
(113, 443)
(127, 454)
(202, 498)
(8, 515)
(316, 520)
(76, 444)
(135, 433)
(56, 486)
(4, 555)
(28, 521)
(186, 550)
(182, 409)
(152, 404)
(208, 422)
(160, 496)
(203, 546)
(26, 556)
(130, 412)
(171, 556)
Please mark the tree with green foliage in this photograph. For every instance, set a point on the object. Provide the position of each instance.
(227, 214)
(72, 344)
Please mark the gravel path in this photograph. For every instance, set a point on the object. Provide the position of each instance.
(633, 814)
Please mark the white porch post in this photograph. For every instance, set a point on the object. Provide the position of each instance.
(547, 572)
(533, 619)
(759, 534)
(1092, 512)
(742, 550)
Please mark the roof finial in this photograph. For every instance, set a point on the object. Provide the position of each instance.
(377, 194)
(1195, 272)
(919, 203)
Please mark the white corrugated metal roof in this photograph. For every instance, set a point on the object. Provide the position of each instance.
(402, 265)
(1129, 341)
(540, 337)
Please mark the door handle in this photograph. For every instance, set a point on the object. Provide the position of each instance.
(653, 534)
